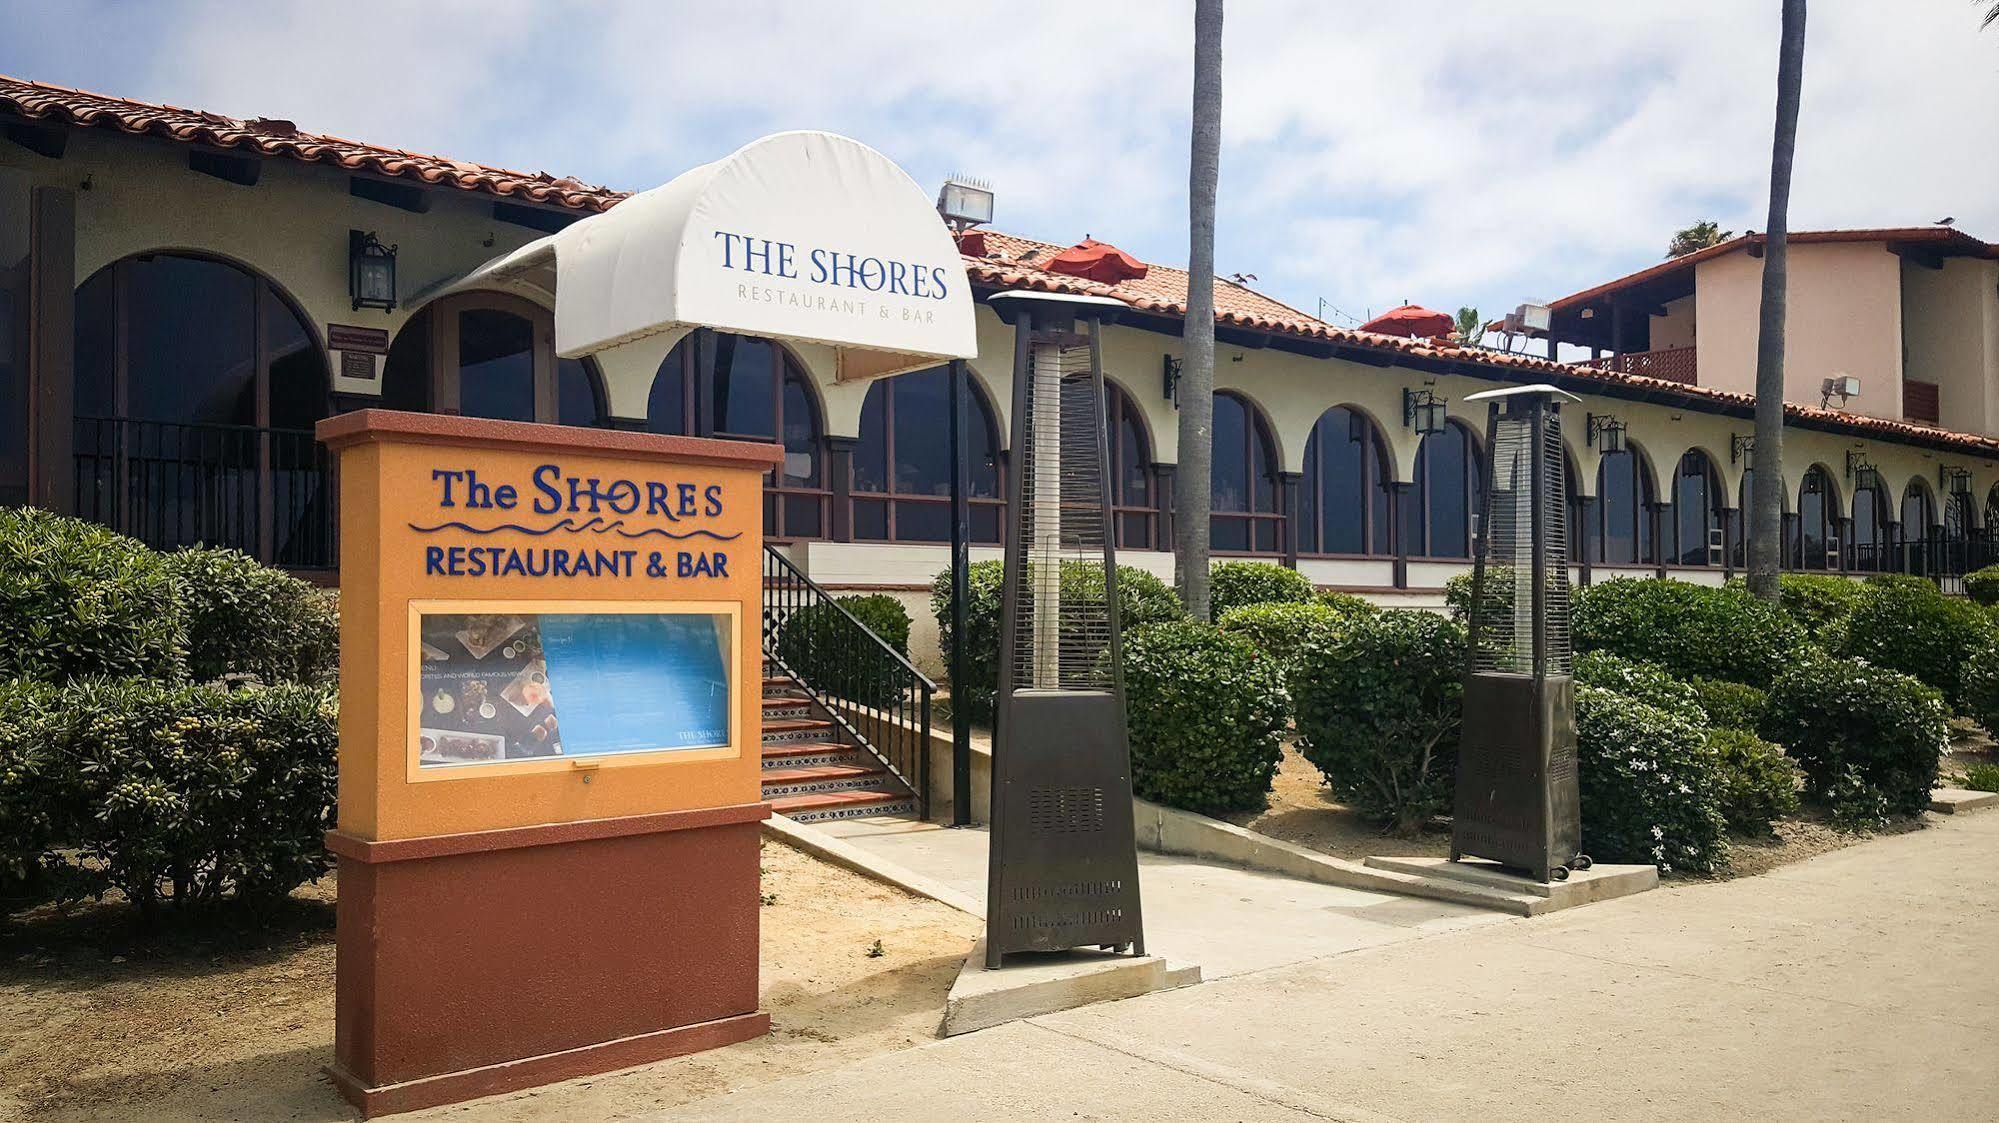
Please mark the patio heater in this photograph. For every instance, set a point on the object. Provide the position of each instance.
(1517, 798)
(1063, 865)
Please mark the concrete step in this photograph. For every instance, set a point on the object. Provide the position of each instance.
(799, 754)
(784, 730)
(811, 778)
(843, 805)
(787, 706)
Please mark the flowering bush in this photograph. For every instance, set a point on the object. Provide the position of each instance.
(1206, 712)
(1647, 682)
(1759, 783)
(77, 601)
(1982, 585)
(1730, 705)
(1691, 630)
(1651, 787)
(1233, 584)
(1868, 739)
(1911, 627)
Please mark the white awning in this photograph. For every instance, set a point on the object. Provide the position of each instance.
(803, 236)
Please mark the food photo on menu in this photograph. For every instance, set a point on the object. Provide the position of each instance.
(489, 685)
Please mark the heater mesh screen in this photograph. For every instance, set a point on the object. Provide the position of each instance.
(1527, 478)
(1064, 625)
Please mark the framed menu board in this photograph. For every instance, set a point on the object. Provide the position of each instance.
(526, 686)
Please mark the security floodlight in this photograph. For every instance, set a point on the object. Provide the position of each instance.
(965, 203)
(1842, 386)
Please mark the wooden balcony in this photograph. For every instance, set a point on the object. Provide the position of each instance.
(1673, 364)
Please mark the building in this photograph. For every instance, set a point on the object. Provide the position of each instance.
(178, 307)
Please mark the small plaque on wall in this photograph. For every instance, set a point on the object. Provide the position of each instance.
(357, 364)
(348, 337)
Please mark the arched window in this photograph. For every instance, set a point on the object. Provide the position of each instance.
(1623, 531)
(1991, 508)
(197, 384)
(738, 387)
(490, 355)
(1343, 501)
(1872, 547)
(1739, 548)
(902, 464)
(1445, 494)
(1247, 517)
(1818, 521)
(1915, 533)
(1132, 503)
(1697, 506)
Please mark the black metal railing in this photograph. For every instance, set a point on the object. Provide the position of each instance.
(870, 690)
(267, 492)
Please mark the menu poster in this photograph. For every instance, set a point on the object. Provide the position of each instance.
(502, 686)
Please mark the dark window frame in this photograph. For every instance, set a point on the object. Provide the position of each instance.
(1127, 508)
(1377, 479)
(892, 500)
(1422, 488)
(1264, 483)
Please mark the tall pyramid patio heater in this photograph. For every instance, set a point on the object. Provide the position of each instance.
(1063, 866)
(1517, 798)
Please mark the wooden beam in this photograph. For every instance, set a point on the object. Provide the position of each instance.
(42, 140)
(534, 218)
(227, 167)
(401, 196)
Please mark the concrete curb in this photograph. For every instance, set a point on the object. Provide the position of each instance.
(852, 857)
(1950, 801)
(981, 999)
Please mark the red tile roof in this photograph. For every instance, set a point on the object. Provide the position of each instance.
(60, 105)
(1009, 261)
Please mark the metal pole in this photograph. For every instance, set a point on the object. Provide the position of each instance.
(961, 562)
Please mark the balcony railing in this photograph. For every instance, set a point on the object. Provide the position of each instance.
(1673, 364)
(266, 492)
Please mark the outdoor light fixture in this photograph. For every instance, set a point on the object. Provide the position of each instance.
(1740, 449)
(1169, 379)
(1862, 472)
(1422, 411)
(1952, 480)
(371, 272)
(1606, 434)
(965, 202)
(1841, 386)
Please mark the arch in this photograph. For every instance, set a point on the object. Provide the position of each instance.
(1871, 542)
(1738, 550)
(1698, 501)
(1917, 534)
(197, 382)
(1620, 531)
(490, 354)
(1345, 499)
(1445, 494)
(1814, 544)
(1248, 515)
(740, 387)
(901, 475)
(1991, 512)
(1134, 500)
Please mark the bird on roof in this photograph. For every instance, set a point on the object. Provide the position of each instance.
(1946, 220)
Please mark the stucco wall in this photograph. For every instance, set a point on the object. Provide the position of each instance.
(1843, 316)
(1677, 327)
(1951, 327)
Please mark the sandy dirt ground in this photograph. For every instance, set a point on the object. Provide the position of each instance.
(236, 1023)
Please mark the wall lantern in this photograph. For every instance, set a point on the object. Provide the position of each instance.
(371, 272)
(1606, 434)
(1169, 380)
(1952, 481)
(1740, 450)
(1863, 473)
(1422, 411)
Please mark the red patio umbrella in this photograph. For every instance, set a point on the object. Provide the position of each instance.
(1098, 261)
(1411, 320)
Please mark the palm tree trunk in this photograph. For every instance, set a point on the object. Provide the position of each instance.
(1193, 498)
(1766, 498)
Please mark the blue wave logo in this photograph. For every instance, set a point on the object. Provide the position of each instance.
(597, 524)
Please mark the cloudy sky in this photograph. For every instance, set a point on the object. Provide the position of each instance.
(1446, 152)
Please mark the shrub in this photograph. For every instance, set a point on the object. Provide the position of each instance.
(1691, 630)
(1142, 599)
(1759, 784)
(77, 601)
(1863, 735)
(1206, 713)
(1982, 777)
(245, 617)
(1914, 629)
(825, 648)
(1651, 787)
(1378, 713)
(1647, 682)
(1818, 602)
(1281, 631)
(181, 793)
(34, 819)
(1730, 705)
(1982, 585)
(1346, 604)
(1233, 584)
(1979, 687)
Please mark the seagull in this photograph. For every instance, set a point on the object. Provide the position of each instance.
(1946, 220)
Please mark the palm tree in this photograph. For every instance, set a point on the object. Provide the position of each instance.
(1991, 12)
(1699, 236)
(1468, 328)
(1193, 495)
(1766, 495)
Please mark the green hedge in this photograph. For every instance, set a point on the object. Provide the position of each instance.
(245, 617)
(1690, 630)
(1982, 585)
(1647, 682)
(1868, 739)
(1730, 705)
(1206, 711)
(1142, 599)
(1818, 602)
(1281, 631)
(1912, 628)
(77, 601)
(1346, 604)
(1378, 713)
(1651, 787)
(167, 793)
(820, 643)
(1233, 584)
(1980, 685)
(1759, 784)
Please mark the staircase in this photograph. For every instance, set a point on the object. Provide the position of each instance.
(811, 770)
(851, 735)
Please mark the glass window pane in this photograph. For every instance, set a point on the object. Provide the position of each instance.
(744, 383)
(801, 436)
(1336, 463)
(1616, 485)
(406, 370)
(1231, 468)
(495, 365)
(1228, 534)
(986, 523)
(192, 348)
(801, 516)
(870, 456)
(666, 405)
(96, 344)
(922, 434)
(575, 394)
(871, 519)
(14, 205)
(298, 376)
(922, 522)
(1443, 462)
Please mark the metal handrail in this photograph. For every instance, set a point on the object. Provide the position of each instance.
(791, 571)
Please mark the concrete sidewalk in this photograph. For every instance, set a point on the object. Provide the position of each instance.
(1857, 985)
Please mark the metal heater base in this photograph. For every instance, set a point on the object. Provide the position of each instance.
(1517, 798)
(1064, 867)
